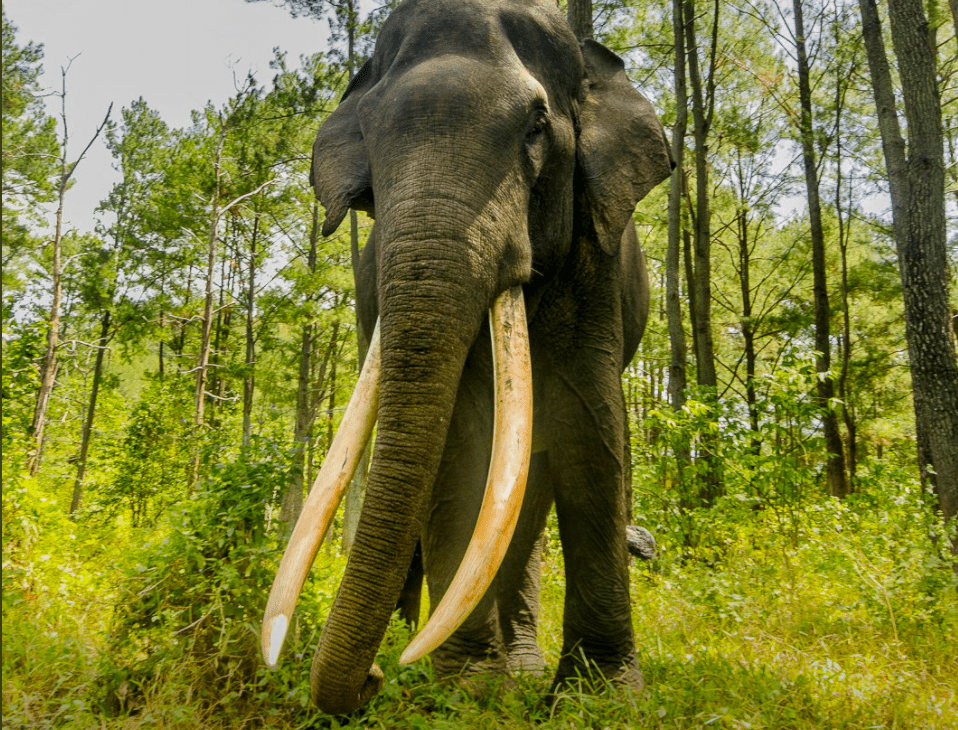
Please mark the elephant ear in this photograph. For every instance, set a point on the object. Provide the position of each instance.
(622, 150)
(340, 169)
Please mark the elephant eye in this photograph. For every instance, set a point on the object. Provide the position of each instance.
(539, 124)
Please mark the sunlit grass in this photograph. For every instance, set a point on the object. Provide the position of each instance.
(853, 625)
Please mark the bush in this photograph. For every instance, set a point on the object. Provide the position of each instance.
(193, 598)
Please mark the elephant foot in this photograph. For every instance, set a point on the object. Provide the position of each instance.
(525, 659)
(462, 661)
(577, 675)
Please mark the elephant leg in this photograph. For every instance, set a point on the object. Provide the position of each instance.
(586, 459)
(457, 497)
(517, 583)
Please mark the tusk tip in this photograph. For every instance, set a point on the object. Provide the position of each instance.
(412, 653)
(274, 634)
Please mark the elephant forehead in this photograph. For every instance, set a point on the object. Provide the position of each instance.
(449, 93)
(498, 33)
(418, 30)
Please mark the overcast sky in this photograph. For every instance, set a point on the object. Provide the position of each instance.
(176, 54)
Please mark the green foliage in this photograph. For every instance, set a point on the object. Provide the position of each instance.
(56, 592)
(852, 625)
(148, 463)
(776, 468)
(844, 616)
(191, 597)
(22, 346)
(29, 153)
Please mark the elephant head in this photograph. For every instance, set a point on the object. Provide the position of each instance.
(484, 140)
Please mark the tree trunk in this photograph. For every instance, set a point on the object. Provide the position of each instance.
(673, 305)
(673, 308)
(216, 381)
(702, 108)
(249, 377)
(179, 341)
(330, 430)
(702, 122)
(293, 498)
(844, 225)
(50, 366)
(689, 280)
(579, 13)
(203, 359)
(353, 499)
(835, 464)
(916, 181)
(160, 357)
(87, 433)
(218, 210)
(48, 371)
(748, 324)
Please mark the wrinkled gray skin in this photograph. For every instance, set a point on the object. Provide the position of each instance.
(492, 151)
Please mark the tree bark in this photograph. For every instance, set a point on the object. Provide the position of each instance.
(702, 122)
(748, 323)
(678, 349)
(579, 13)
(311, 391)
(835, 461)
(916, 181)
(690, 280)
(673, 308)
(308, 394)
(87, 433)
(702, 108)
(224, 318)
(48, 370)
(844, 234)
(161, 359)
(353, 500)
(249, 376)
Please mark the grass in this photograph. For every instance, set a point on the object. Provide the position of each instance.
(849, 622)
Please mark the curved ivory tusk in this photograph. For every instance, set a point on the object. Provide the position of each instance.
(506, 483)
(324, 497)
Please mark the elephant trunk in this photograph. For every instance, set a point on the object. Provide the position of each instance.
(427, 326)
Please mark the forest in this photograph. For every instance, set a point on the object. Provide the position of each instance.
(173, 378)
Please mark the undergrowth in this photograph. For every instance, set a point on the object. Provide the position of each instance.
(851, 625)
(773, 608)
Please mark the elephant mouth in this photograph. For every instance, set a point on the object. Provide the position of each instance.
(505, 487)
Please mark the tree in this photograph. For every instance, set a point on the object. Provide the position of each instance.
(107, 269)
(49, 366)
(220, 124)
(916, 183)
(673, 303)
(835, 465)
(700, 281)
(345, 24)
(29, 151)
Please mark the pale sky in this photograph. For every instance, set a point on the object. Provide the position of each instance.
(176, 54)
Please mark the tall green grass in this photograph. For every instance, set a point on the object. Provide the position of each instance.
(844, 616)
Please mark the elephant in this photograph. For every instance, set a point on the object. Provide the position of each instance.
(501, 160)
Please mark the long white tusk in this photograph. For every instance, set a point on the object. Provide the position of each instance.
(506, 483)
(324, 497)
